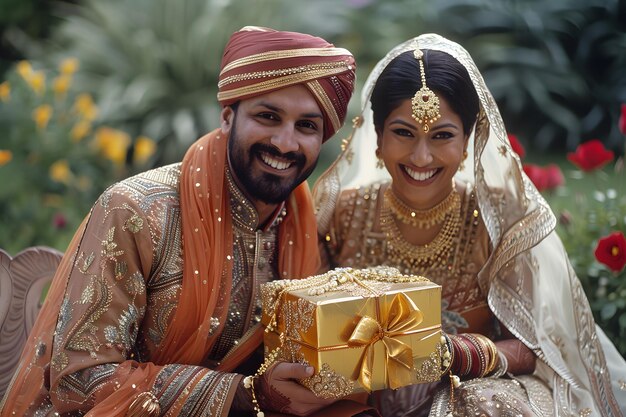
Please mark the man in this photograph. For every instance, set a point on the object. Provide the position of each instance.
(156, 302)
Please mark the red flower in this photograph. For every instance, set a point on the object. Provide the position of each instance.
(517, 147)
(611, 251)
(622, 120)
(59, 221)
(590, 155)
(547, 178)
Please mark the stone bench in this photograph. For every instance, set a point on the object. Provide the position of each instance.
(23, 280)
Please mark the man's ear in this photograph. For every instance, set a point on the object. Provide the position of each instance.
(227, 116)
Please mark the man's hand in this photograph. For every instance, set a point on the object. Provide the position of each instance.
(277, 390)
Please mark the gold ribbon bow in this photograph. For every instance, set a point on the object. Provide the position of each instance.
(403, 316)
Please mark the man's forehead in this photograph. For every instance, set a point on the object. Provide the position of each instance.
(293, 98)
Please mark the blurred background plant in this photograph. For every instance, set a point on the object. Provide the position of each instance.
(555, 69)
(590, 224)
(55, 156)
(591, 208)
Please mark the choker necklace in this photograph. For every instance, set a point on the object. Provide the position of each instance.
(423, 219)
(411, 257)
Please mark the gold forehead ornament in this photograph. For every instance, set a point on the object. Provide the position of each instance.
(425, 103)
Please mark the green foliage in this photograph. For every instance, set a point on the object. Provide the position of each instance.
(554, 67)
(32, 17)
(53, 164)
(154, 64)
(592, 206)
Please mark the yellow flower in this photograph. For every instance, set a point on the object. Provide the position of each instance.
(5, 91)
(80, 130)
(144, 149)
(25, 69)
(84, 105)
(5, 156)
(60, 171)
(61, 84)
(41, 115)
(69, 66)
(113, 144)
(37, 81)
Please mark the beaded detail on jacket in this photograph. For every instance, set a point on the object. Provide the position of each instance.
(254, 257)
(122, 292)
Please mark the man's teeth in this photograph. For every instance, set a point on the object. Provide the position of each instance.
(420, 176)
(275, 163)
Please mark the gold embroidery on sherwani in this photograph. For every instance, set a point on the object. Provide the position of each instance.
(254, 255)
(119, 303)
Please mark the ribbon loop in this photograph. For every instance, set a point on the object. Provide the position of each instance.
(402, 316)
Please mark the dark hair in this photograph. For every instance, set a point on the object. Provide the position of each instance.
(400, 80)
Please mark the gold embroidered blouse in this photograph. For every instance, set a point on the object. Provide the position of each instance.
(356, 239)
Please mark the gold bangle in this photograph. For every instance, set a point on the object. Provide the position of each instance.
(493, 352)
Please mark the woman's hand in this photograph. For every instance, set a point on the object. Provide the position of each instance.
(521, 360)
(278, 390)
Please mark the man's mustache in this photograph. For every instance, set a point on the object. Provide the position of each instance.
(296, 157)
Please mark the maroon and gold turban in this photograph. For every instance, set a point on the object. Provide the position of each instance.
(259, 60)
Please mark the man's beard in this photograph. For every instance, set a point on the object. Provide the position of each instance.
(266, 187)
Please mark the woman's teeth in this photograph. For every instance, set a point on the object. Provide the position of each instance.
(420, 176)
(275, 163)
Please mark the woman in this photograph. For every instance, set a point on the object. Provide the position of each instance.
(449, 200)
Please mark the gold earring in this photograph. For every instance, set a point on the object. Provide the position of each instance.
(462, 165)
(425, 103)
(380, 164)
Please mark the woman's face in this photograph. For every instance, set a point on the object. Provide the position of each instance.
(422, 164)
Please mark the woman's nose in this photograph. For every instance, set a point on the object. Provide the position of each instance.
(421, 155)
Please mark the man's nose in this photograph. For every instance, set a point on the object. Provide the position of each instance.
(421, 155)
(284, 139)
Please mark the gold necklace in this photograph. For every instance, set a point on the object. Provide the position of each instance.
(435, 253)
(423, 219)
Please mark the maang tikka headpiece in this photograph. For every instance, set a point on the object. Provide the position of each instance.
(425, 104)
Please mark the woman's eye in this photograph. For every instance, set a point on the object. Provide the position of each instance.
(442, 135)
(403, 132)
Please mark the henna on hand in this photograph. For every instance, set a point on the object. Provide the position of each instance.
(521, 360)
(267, 396)
(242, 401)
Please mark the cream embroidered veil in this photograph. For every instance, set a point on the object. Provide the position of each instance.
(531, 286)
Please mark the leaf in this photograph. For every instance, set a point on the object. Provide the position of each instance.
(608, 311)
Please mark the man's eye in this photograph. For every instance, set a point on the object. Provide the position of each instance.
(307, 124)
(268, 116)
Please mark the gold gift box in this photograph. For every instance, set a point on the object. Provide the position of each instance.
(361, 330)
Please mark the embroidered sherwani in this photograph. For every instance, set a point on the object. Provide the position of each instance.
(124, 287)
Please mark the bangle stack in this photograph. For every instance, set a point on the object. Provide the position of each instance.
(474, 355)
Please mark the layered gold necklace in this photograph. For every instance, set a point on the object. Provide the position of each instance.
(423, 219)
(436, 253)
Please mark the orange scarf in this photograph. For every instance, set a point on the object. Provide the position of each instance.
(208, 251)
(208, 243)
